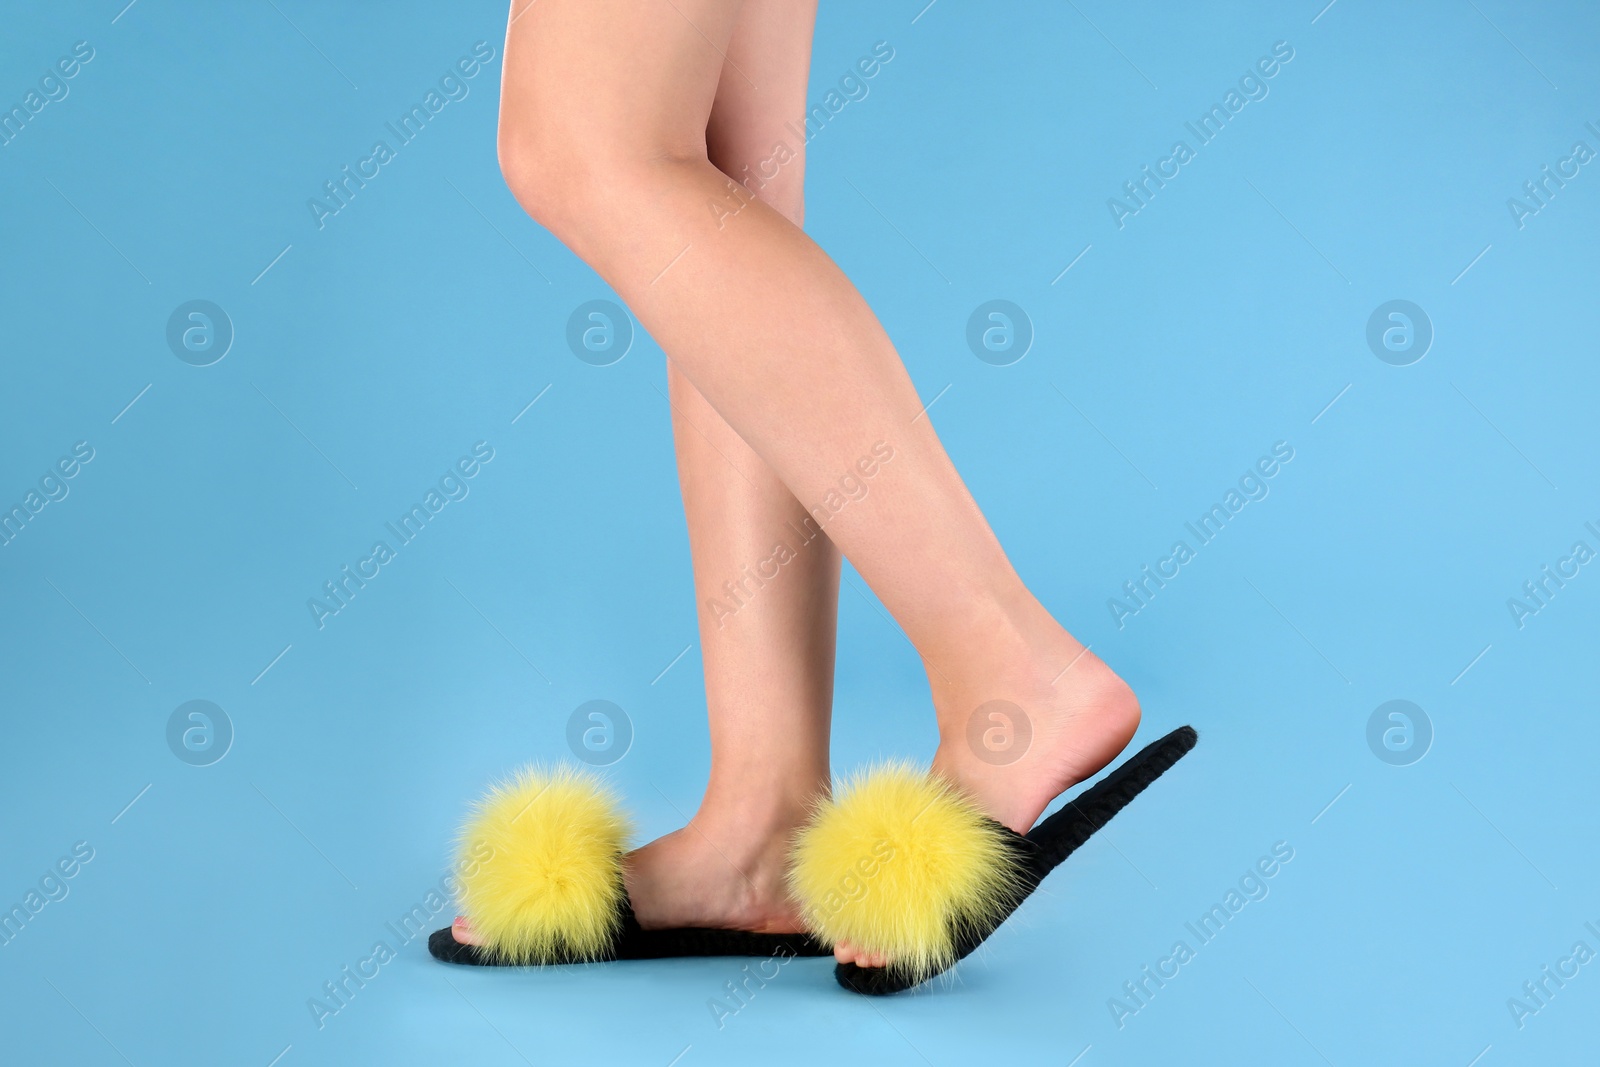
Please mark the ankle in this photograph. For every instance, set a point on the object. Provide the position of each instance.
(1014, 646)
(754, 811)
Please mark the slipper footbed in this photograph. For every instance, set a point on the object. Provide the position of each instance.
(635, 943)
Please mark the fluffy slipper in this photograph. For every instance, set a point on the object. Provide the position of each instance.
(541, 876)
(901, 864)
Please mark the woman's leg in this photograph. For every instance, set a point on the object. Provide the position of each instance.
(602, 138)
(766, 627)
(768, 642)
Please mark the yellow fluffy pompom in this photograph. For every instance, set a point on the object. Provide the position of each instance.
(541, 867)
(900, 863)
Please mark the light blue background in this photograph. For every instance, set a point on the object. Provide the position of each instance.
(1224, 317)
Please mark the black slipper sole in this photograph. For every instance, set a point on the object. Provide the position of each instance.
(634, 943)
(1045, 847)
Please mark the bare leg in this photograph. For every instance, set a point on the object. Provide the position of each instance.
(602, 138)
(767, 643)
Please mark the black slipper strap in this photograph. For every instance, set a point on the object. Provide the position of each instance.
(1045, 847)
(634, 943)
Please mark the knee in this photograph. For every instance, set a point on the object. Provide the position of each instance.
(545, 174)
(578, 182)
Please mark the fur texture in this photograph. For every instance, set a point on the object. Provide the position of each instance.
(541, 867)
(899, 862)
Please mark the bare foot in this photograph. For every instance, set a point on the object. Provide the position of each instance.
(726, 881)
(712, 874)
(1023, 717)
(1018, 743)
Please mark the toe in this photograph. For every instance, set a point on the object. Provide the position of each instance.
(462, 931)
(845, 952)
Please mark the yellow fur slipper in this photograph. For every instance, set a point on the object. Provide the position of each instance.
(900, 864)
(541, 867)
(540, 880)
